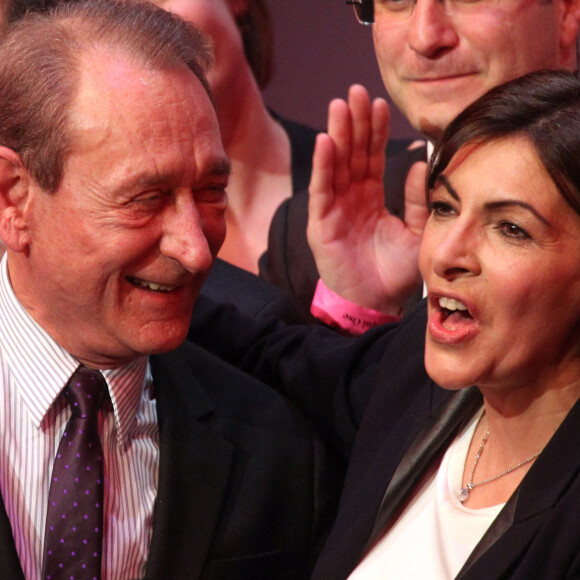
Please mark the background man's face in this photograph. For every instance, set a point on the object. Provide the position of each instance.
(433, 63)
(120, 251)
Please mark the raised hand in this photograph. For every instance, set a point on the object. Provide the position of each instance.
(363, 253)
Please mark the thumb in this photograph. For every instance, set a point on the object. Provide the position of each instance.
(416, 212)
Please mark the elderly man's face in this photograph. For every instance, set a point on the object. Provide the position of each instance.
(437, 56)
(118, 254)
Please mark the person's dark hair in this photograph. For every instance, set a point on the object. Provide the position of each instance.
(543, 107)
(41, 56)
(257, 33)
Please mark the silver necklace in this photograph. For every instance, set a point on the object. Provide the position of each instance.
(465, 491)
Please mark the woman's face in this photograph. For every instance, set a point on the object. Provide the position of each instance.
(501, 260)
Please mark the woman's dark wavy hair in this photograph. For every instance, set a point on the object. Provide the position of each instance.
(543, 107)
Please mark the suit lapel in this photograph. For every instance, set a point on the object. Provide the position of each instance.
(193, 471)
(538, 492)
(429, 443)
(11, 569)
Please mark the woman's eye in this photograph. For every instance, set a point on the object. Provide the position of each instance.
(441, 208)
(511, 230)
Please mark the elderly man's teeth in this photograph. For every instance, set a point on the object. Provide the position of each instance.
(153, 286)
(451, 304)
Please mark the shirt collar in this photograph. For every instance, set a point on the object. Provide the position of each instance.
(430, 149)
(41, 368)
(127, 386)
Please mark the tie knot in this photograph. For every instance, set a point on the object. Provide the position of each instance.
(85, 392)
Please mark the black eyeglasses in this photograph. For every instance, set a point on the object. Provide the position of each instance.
(364, 10)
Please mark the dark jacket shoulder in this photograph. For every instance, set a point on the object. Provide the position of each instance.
(247, 476)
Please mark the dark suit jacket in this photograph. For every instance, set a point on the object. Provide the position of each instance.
(289, 263)
(243, 488)
(252, 295)
(394, 422)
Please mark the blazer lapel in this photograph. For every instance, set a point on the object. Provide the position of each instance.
(11, 569)
(538, 492)
(429, 443)
(193, 472)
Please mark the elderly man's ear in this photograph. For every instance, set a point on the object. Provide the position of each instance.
(14, 190)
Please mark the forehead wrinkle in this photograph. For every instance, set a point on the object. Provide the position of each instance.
(166, 125)
(145, 128)
(108, 86)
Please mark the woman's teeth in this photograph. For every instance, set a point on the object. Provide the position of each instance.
(451, 304)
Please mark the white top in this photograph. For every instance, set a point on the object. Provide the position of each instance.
(33, 371)
(436, 533)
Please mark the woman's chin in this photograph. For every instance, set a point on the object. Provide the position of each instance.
(449, 374)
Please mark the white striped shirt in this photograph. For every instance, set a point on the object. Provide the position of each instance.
(33, 372)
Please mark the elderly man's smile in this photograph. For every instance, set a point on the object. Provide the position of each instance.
(153, 286)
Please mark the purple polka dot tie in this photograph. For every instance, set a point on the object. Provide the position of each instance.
(74, 521)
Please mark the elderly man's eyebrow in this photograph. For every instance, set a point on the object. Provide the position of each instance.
(221, 167)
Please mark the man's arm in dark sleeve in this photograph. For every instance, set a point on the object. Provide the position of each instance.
(329, 376)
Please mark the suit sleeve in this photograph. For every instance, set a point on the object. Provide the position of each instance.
(252, 295)
(331, 377)
(288, 262)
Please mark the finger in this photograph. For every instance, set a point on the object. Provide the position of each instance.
(379, 137)
(339, 131)
(339, 128)
(321, 187)
(360, 117)
(416, 212)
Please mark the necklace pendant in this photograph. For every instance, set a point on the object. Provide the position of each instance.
(463, 494)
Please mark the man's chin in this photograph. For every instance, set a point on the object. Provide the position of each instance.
(168, 338)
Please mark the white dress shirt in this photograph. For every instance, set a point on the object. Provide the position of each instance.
(435, 534)
(33, 371)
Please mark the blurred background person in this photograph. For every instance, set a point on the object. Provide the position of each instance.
(271, 157)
